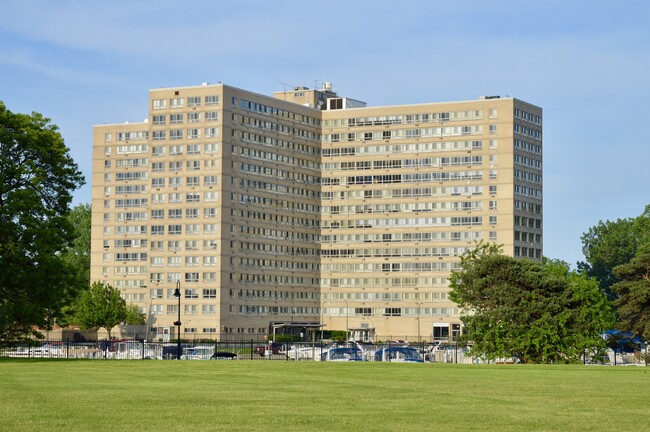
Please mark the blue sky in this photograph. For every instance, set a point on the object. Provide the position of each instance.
(586, 63)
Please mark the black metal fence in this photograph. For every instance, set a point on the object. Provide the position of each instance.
(230, 350)
(264, 350)
(132, 350)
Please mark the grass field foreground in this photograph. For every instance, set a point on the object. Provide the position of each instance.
(81, 395)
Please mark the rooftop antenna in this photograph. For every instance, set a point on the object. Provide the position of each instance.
(285, 88)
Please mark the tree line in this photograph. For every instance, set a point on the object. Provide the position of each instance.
(537, 311)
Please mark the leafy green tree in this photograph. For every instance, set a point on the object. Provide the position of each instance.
(633, 290)
(78, 252)
(612, 243)
(77, 256)
(537, 312)
(101, 306)
(37, 178)
(134, 316)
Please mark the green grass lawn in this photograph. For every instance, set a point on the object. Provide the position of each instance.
(166, 396)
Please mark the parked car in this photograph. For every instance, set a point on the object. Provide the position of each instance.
(170, 352)
(343, 354)
(197, 354)
(223, 355)
(272, 348)
(398, 354)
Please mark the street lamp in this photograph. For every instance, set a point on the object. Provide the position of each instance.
(177, 293)
(321, 320)
(347, 324)
(419, 305)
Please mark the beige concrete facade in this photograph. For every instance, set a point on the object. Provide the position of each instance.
(307, 208)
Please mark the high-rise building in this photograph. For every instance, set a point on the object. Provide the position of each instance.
(307, 211)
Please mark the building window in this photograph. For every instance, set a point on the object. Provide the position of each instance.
(209, 244)
(392, 311)
(175, 229)
(192, 229)
(210, 180)
(177, 102)
(209, 309)
(211, 148)
(159, 104)
(209, 277)
(209, 261)
(191, 292)
(193, 165)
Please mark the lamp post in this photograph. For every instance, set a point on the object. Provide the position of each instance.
(347, 323)
(322, 324)
(177, 293)
(419, 305)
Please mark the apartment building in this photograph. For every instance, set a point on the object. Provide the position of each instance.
(307, 210)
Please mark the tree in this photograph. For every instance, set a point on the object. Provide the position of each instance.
(77, 257)
(37, 178)
(610, 244)
(101, 306)
(78, 252)
(633, 290)
(537, 312)
(134, 316)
